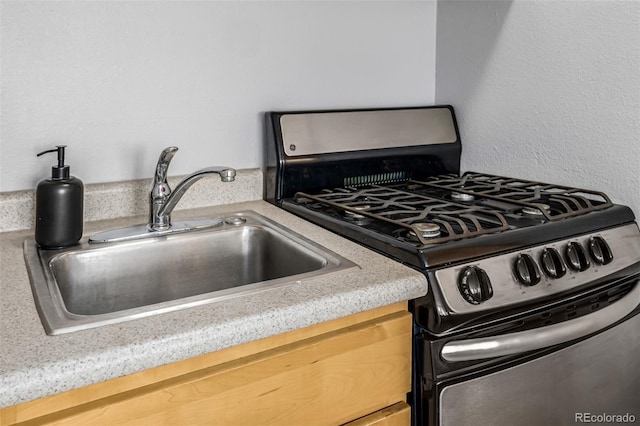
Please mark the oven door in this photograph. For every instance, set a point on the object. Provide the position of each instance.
(594, 378)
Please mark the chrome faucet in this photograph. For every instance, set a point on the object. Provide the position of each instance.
(162, 200)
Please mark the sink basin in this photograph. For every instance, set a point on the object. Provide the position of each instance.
(90, 285)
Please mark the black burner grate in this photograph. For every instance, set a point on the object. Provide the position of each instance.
(554, 202)
(414, 214)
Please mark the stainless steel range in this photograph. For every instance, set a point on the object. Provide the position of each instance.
(531, 316)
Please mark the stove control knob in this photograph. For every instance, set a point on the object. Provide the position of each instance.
(526, 270)
(600, 251)
(474, 285)
(552, 263)
(576, 257)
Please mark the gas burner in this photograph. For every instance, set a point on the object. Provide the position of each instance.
(538, 210)
(355, 215)
(426, 230)
(462, 196)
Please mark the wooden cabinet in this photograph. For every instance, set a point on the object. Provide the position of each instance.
(353, 370)
(398, 414)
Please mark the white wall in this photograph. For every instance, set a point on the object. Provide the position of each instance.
(119, 81)
(546, 90)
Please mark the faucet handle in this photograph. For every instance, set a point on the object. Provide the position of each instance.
(163, 164)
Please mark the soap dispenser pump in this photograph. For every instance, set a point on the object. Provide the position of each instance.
(59, 206)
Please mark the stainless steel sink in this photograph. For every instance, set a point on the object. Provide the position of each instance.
(90, 285)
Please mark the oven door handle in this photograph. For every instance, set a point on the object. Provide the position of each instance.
(539, 338)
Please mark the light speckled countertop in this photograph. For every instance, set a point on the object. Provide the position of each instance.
(34, 365)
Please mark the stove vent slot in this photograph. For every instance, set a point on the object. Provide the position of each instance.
(376, 179)
(579, 308)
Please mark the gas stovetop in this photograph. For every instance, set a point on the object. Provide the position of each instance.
(486, 242)
(447, 218)
(448, 207)
(390, 180)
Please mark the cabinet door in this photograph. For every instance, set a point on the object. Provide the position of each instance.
(330, 378)
(396, 415)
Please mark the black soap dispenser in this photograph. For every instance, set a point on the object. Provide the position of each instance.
(59, 206)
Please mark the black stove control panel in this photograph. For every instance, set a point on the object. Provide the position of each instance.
(538, 272)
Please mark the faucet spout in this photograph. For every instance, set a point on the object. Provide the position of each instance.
(162, 200)
(226, 175)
